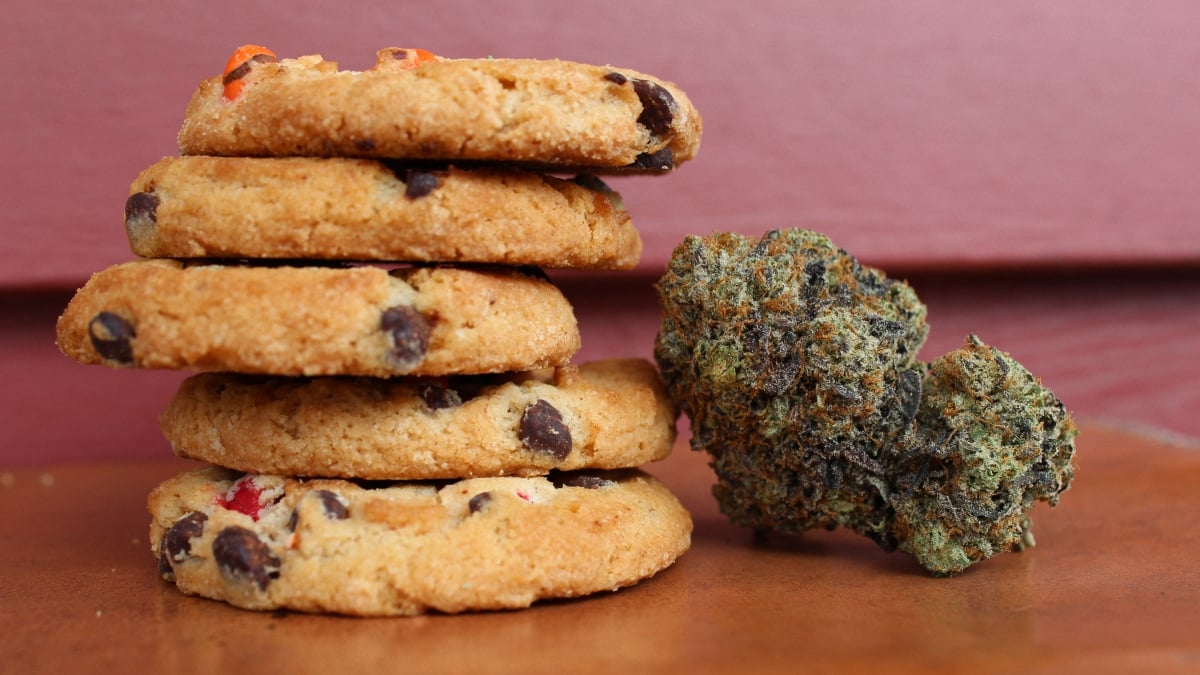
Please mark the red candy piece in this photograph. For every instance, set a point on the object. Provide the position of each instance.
(243, 497)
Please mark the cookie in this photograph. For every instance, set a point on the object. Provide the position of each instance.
(358, 209)
(269, 542)
(600, 415)
(318, 320)
(414, 105)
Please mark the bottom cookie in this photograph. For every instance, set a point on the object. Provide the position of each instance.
(327, 545)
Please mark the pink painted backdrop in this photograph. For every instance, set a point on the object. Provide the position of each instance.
(928, 133)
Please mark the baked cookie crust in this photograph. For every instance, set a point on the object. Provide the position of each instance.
(268, 542)
(598, 415)
(358, 209)
(318, 320)
(522, 111)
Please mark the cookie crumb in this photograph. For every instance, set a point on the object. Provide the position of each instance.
(7, 479)
(46, 479)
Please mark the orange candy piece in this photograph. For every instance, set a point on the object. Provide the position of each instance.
(239, 64)
(404, 59)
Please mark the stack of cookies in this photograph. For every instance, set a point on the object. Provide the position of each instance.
(387, 403)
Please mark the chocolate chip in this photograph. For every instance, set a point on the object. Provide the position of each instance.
(438, 396)
(409, 331)
(399, 54)
(616, 78)
(542, 430)
(141, 209)
(663, 160)
(164, 565)
(587, 482)
(479, 502)
(242, 555)
(241, 71)
(112, 337)
(417, 184)
(332, 504)
(176, 544)
(364, 145)
(658, 107)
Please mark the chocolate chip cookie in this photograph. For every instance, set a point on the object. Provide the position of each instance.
(268, 542)
(415, 105)
(599, 415)
(358, 209)
(316, 320)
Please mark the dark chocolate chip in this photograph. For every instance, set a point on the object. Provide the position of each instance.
(399, 54)
(333, 506)
(588, 482)
(242, 555)
(141, 209)
(409, 331)
(241, 71)
(542, 430)
(658, 107)
(112, 337)
(616, 78)
(437, 396)
(417, 184)
(479, 502)
(164, 565)
(663, 160)
(364, 145)
(177, 542)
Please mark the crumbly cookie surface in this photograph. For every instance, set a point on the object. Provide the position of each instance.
(318, 320)
(599, 415)
(268, 542)
(358, 209)
(524, 111)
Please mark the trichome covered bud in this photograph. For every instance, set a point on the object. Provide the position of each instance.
(989, 442)
(797, 366)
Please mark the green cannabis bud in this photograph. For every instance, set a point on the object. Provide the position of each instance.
(798, 369)
(989, 442)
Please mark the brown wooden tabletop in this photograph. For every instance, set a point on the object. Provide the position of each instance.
(1112, 585)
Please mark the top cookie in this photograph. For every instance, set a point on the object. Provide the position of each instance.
(413, 105)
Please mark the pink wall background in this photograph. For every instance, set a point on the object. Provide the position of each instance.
(927, 133)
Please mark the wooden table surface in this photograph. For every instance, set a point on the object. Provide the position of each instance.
(1111, 586)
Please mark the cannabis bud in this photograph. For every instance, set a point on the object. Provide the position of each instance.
(797, 367)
